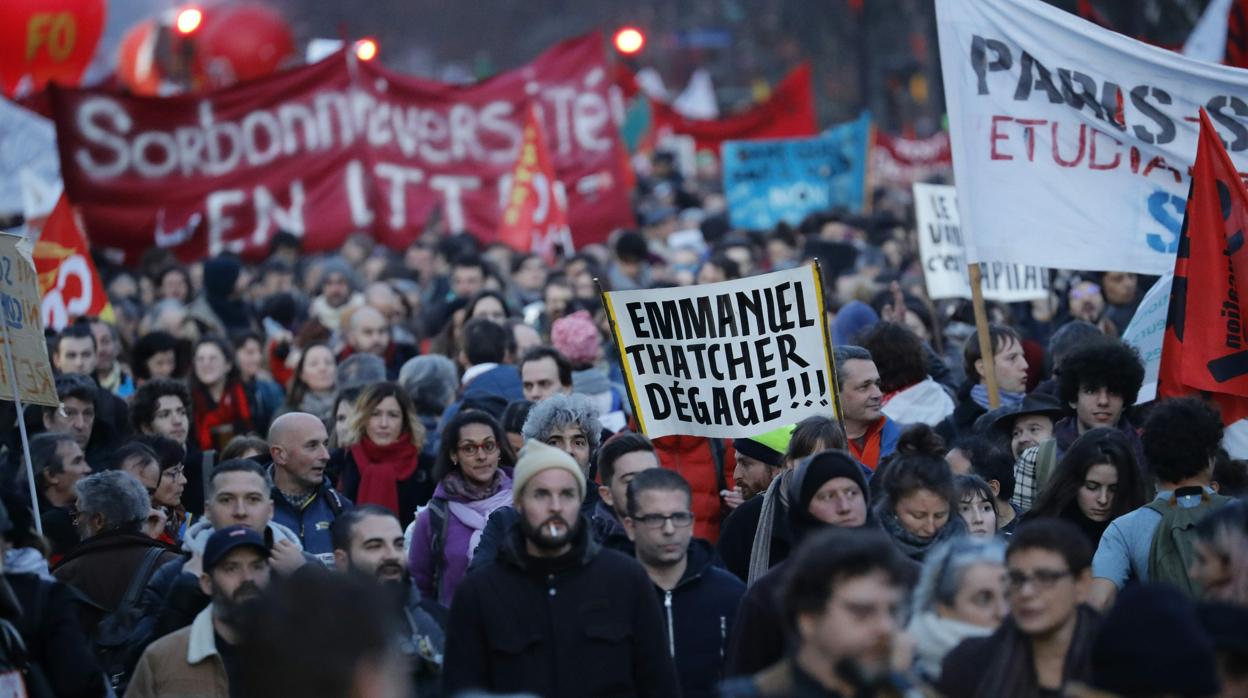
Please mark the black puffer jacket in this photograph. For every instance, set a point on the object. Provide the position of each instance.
(584, 624)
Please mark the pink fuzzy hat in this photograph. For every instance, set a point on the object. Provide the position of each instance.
(576, 337)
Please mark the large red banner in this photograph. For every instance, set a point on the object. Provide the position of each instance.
(337, 147)
(788, 113)
(900, 162)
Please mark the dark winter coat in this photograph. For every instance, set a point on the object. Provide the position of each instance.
(102, 566)
(962, 421)
(736, 539)
(501, 521)
(54, 639)
(312, 522)
(698, 616)
(760, 639)
(608, 530)
(581, 625)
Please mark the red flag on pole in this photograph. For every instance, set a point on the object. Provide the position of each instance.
(1205, 349)
(1237, 35)
(68, 281)
(535, 217)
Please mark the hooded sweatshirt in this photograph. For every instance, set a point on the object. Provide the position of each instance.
(759, 639)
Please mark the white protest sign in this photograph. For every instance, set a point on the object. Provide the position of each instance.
(1146, 332)
(19, 298)
(944, 254)
(1072, 143)
(726, 360)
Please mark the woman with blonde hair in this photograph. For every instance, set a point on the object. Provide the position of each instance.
(381, 461)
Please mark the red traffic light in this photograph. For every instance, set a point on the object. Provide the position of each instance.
(629, 40)
(188, 20)
(366, 49)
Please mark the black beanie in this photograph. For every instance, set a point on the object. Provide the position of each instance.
(1152, 644)
(811, 474)
(759, 451)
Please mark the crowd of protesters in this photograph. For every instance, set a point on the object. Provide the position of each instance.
(393, 472)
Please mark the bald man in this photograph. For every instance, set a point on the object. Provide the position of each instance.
(386, 299)
(368, 332)
(303, 499)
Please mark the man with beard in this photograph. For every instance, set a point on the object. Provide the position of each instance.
(872, 436)
(555, 614)
(843, 600)
(199, 659)
(368, 541)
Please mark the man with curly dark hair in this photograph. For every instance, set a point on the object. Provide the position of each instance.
(1100, 381)
(1181, 440)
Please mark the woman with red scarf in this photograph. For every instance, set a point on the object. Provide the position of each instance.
(381, 461)
(217, 395)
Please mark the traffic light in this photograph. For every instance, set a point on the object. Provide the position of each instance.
(629, 40)
(188, 20)
(366, 49)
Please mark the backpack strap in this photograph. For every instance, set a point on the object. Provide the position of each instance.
(1046, 463)
(717, 455)
(141, 577)
(334, 501)
(439, 519)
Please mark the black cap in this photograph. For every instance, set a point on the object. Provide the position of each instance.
(1035, 403)
(223, 540)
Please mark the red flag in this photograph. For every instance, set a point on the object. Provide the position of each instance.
(1237, 35)
(68, 281)
(1205, 349)
(788, 113)
(535, 216)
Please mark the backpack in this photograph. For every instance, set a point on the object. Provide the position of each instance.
(1173, 547)
(439, 518)
(121, 635)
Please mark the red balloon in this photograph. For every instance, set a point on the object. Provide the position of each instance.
(240, 42)
(43, 40)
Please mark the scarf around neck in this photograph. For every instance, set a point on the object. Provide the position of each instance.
(382, 468)
(454, 484)
(913, 546)
(979, 393)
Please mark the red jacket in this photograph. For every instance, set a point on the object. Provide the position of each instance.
(694, 459)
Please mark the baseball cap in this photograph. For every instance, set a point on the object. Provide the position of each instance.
(224, 540)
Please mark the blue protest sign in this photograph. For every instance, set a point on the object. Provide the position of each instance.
(769, 181)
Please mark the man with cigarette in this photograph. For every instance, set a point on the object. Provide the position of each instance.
(556, 614)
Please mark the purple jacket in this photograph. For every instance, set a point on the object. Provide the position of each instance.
(454, 549)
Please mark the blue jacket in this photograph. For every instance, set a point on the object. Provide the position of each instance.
(490, 391)
(311, 523)
(697, 618)
(889, 435)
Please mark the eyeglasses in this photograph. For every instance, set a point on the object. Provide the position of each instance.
(174, 472)
(681, 519)
(1042, 579)
(468, 449)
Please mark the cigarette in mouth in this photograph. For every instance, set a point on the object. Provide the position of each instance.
(553, 532)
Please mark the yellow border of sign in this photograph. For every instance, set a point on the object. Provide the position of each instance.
(624, 365)
(827, 344)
